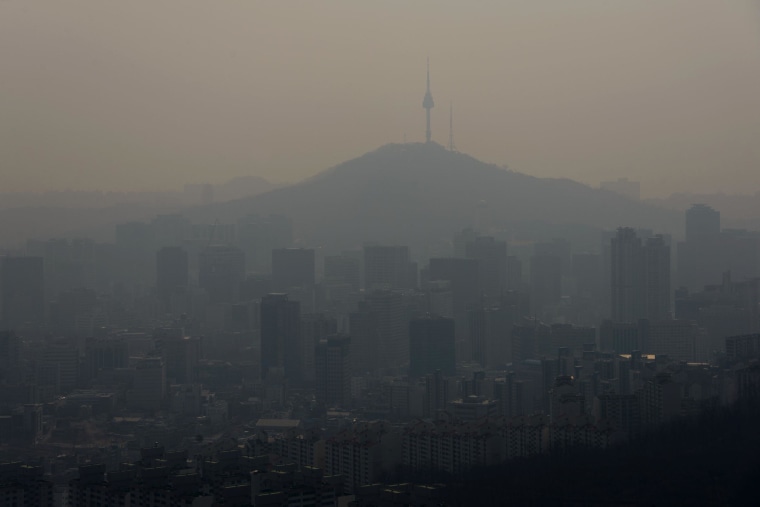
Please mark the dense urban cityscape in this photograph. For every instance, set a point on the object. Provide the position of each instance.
(200, 307)
(191, 362)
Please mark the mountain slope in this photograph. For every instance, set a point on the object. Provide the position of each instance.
(420, 193)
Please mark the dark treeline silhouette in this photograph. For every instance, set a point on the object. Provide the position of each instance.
(709, 459)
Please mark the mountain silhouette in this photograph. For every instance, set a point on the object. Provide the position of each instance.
(421, 194)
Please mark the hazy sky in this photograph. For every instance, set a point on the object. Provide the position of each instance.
(135, 94)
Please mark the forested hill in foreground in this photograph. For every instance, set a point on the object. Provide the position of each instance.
(712, 459)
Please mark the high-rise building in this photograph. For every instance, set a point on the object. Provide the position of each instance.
(221, 270)
(491, 255)
(280, 337)
(640, 277)
(622, 337)
(703, 256)
(574, 338)
(465, 286)
(22, 291)
(677, 339)
(69, 264)
(709, 252)
(657, 295)
(379, 339)
(388, 267)
(622, 411)
(10, 356)
(314, 328)
(545, 282)
(390, 331)
(701, 221)
(292, 267)
(661, 399)
(63, 358)
(431, 346)
(344, 268)
(557, 247)
(514, 273)
(490, 330)
(333, 371)
(104, 354)
(170, 229)
(149, 385)
(181, 355)
(172, 272)
(587, 272)
(365, 347)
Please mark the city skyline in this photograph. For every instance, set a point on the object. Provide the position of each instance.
(104, 97)
(243, 262)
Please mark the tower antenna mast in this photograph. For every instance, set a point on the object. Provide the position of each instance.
(452, 147)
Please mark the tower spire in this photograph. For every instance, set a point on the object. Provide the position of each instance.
(428, 74)
(428, 104)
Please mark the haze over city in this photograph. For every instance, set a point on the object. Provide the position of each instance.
(137, 96)
(379, 254)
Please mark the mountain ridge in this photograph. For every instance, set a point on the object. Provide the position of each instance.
(420, 193)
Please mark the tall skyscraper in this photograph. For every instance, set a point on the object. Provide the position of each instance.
(364, 352)
(463, 275)
(379, 339)
(640, 277)
(149, 385)
(657, 295)
(431, 346)
(390, 330)
(490, 330)
(220, 271)
(292, 267)
(333, 371)
(388, 267)
(701, 221)
(22, 291)
(10, 356)
(344, 268)
(280, 336)
(180, 354)
(627, 270)
(104, 354)
(491, 255)
(677, 339)
(545, 282)
(704, 255)
(314, 327)
(172, 272)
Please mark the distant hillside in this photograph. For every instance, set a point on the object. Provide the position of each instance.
(242, 186)
(738, 211)
(420, 194)
(72, 213)
(413, 194)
